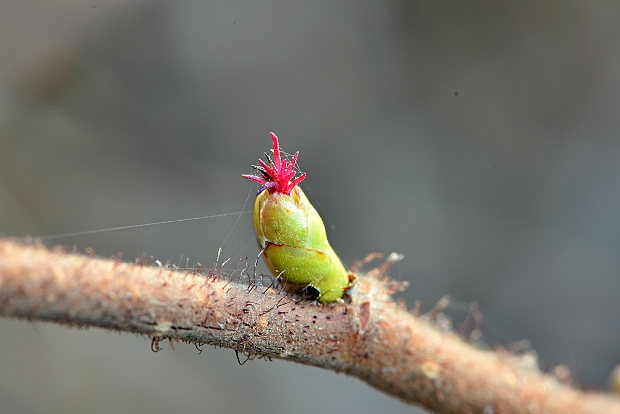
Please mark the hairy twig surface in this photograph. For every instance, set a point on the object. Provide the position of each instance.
(369, 337)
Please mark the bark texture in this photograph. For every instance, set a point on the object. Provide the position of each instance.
(369, 337)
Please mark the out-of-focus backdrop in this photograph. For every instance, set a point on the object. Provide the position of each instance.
(480, 139)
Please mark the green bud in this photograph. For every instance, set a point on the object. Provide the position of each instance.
(291, 233)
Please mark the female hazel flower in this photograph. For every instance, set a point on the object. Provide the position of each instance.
(291, 233)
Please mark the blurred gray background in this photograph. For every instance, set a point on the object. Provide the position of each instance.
(480, 139)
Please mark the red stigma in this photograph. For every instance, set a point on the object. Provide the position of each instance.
(277, 175)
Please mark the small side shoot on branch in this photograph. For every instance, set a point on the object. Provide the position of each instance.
(291, 234)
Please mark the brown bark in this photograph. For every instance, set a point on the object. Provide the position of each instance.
(369, 337)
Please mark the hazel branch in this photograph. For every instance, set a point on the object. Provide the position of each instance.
(371, 337)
